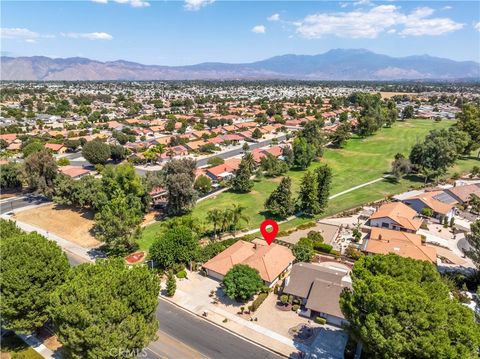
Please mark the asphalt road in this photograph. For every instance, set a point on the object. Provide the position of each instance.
(184, 336)
(19, 202)
(77, 160)
(197, 338)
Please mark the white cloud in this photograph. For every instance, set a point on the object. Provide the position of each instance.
(362, 2)
(477, 26)
(133, 3)
(194, 5)
(371, 23)
(274, 17)
(18, 33)
(88, 35)
(259, 29)
(31, 41)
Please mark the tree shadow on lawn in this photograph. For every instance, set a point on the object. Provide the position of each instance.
(226, 301)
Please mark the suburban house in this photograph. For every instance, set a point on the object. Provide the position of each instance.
(428, 200)
(56, 147)
(270, 260)
(224, 171)
(318, 286)
(75, 172)
(396, 216)
(463, 194)
(408, 245)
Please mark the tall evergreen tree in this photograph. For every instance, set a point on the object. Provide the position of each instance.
(280, 202)
(324, 180)
(171, 284)
(242, 182)
(105, 310)
(307, 197)
(32, 267)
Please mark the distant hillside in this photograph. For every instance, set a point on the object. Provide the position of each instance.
(333, 65)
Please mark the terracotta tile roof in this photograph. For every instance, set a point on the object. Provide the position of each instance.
(435, 205)
(73, 171)
(8, 137)
(464, 192)
(54, 146)
(270, 260)
(233, 137)
(217, 139)
(275, 150)
(233, 163)
(399, 213)
(384, 241)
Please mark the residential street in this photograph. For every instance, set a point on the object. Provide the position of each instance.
(199, 338)
(184, 336)
(11, 204)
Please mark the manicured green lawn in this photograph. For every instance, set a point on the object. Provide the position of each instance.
(361, 160)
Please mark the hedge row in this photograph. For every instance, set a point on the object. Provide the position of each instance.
(258, 301)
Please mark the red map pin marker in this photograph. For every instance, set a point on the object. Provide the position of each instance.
(269, 236)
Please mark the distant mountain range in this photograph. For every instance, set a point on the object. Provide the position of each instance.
(339, 64)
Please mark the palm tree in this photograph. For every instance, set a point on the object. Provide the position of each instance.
(226, 219)
(215, 216)
(237, 216)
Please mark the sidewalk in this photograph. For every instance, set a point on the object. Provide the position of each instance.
(248, 330)
(38, 346)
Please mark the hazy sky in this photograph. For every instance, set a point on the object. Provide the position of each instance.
(194, 31)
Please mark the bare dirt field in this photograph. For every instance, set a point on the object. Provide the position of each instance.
(391, 94)
(72, 225)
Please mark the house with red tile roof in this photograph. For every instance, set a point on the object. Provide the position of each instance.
(428, 200)
(404, 244)
(396, 216)
(55, 147)
(270, 261)
(75, 172)
(8, 137)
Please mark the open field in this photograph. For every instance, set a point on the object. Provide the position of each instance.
(65, 222)
(361, 160)
(388, 94)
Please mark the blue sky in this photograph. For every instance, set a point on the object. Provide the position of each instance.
(194, 31)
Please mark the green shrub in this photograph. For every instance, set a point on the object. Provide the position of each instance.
(307, 225)
(284, 298)
(182, 274)
(320, 320)
(63, 161)
(427, 212)
(315, 236)
(336, 253)
(322, 247)
(275, 289)
(295, 307)
(258, 301)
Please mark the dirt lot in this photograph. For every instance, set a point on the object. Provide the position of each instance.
(72, 225)
(391, 94)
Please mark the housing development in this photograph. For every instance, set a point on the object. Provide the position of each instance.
(302, 206)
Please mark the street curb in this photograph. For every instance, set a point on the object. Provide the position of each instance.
(223, 328)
